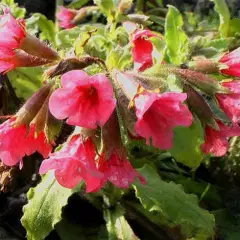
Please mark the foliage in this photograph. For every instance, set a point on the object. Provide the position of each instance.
(176, 190)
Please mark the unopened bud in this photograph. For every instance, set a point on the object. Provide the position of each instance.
(203, 82)
(111, 136)
(200, 107)
(32, 106)
(33, 46)
(204, 65)
(23, 59)
(70, 64)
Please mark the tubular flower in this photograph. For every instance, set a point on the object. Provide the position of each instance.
(232, 62)
(18, 49)
(118, 170)
(216, 142)
(87, 101)
(65, 16)
(73, 163)
(19, 141)
(158, 114)
(230, 103)
(142, 49)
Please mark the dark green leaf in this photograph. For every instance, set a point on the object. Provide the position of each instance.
(173, 206)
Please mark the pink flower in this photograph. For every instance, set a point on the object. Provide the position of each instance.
(65, 16)
(216, 142)
(19, 141)
(118, 170)
(232, 61)
(142, 49)
(158, 114)
(17, 47)
(73, 163)
(87, 101)
(12, 32)
(230, 103)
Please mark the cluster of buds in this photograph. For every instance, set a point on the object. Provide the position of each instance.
(149, 109)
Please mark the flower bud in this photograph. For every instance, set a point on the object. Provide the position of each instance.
(33, 46)
(32, 106)
(70, 64)
(203, 82)
(204, 65)
(200, 107)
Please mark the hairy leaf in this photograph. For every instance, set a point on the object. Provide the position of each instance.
(173, 206)
(177, 42)
(224, 16)
(44, 207)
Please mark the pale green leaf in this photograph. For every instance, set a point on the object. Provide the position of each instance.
(44, 207)
(224, 16)
(187, 142)
(169, 203)
(119, 58)
(177, 43)
(117, 226)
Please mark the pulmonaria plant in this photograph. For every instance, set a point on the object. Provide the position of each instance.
(142, 101)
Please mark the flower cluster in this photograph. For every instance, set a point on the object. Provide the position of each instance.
(149, 109)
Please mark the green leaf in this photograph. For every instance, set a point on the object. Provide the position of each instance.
(107, 7)
(173, 207)
(44, 207)
(224, 16)
(26, 81)
(228, 227)
(119, 58)
(187, 142)
(177, 42)
(234, 28)
(16, 11)
(39, 23)
(117, 226)
(66, 38)
(78, 3)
